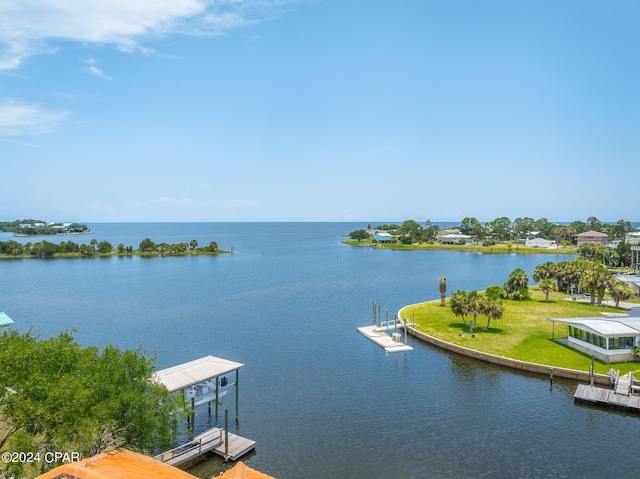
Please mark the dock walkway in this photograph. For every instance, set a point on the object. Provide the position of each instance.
(608, 397)
(383, 339)
(212, 440)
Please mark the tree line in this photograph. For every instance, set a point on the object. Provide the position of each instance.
(45, 248)
(502, 229)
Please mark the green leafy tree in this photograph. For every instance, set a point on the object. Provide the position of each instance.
(624, 252)
(620, 229)
(359, 235)
(146, 245)
(469, 225)
(62, 396)
(430, 232)
(545, 228)
(105, 247)
(213, 246)
(410, 232)
(594, 223)
(193, 244)
(522, 227)
(500, 228)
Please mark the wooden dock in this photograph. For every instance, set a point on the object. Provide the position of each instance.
(390, 343)
(212, 440)
(618, 398)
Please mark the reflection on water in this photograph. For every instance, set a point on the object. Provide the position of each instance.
(320, 399)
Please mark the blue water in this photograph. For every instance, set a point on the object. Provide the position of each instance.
(319, 398)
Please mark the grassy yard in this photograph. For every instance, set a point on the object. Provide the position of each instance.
(524, 332)
(495, 249)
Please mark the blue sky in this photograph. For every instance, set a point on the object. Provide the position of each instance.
(318, 110)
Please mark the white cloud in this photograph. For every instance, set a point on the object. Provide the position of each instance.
(17, 118)
(92, 67)
(29, 26)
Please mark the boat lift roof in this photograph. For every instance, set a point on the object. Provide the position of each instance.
(5, 320)
(177, 378)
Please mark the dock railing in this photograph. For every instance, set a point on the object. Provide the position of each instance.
(193, 448)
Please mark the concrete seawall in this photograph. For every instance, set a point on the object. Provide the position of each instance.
(542, 369)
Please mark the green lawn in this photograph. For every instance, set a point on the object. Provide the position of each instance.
(495, 249)
(524, 332)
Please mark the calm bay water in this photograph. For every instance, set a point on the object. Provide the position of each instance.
(319, 398)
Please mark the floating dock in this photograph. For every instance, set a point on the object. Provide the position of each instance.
(229, 446)
(390, 342)
(618, 398)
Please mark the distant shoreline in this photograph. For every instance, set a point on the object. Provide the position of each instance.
(26, 235)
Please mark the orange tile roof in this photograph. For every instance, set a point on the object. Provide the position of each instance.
(242, 471)
(117, 464)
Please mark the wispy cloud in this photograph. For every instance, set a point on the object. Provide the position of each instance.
(17, 118)
(92, 67)
(30, 27)
(31, 145)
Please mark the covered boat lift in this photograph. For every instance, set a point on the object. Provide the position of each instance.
(201, 381)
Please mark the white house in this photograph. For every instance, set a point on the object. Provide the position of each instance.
(540, 243)
(632, 237)
(610, 339)
(454, 238)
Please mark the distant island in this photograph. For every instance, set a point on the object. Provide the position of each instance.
(29, 227)
(68, 249)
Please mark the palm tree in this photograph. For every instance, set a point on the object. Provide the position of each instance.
(459, 304)
(547, 285)
(596, 281)
(516, 286)
(620, 291)
(492, 309)
(475, 307)
(543, 271)
(442, 282)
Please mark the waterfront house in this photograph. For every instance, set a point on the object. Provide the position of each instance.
(609, 339)
(382, 237)
(540, 243)
(454, 238)
(593, 237)
(632, 237)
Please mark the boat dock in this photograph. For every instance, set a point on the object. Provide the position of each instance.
(229, 446)
(620, 397)
(389, 342)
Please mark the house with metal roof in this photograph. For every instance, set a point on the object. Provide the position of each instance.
(382, 237)
(540, 243)
(610, 339)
